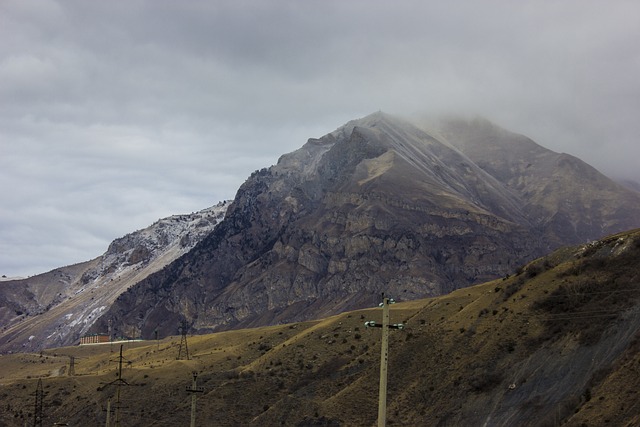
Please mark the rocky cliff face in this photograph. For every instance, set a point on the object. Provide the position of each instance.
(58, 307)
(379, 205)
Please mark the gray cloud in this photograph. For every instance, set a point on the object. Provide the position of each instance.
(115, 114)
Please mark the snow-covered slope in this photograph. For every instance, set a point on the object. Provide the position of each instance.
(58, 307)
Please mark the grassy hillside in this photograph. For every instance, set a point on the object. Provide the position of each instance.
(556, 342)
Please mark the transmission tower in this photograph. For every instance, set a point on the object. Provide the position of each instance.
(183, 342)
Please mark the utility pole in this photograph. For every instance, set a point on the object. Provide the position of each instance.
(108, 423)
(110, 336)
(193, 390)
(119, 382)
(384, 356)
(72, 366)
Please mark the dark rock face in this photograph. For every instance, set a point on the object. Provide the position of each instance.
(379, 205)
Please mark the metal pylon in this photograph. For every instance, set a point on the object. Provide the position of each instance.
(183, 351)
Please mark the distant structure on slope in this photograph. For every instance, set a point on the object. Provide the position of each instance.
(94, 339)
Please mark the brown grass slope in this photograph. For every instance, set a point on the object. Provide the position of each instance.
(557, 342)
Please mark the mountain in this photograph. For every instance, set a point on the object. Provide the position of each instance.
(567, 200)
(557, 343)
(379, 205)
(58, 307)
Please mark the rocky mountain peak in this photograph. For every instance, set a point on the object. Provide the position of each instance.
(379, 204)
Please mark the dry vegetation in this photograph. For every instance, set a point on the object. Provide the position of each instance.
(554, 343)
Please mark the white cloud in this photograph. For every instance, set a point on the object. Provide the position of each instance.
(114, 114)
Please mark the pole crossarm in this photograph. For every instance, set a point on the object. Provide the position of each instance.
(373, 324)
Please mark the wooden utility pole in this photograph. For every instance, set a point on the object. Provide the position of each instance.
(384, 357)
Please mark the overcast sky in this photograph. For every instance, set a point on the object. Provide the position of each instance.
(114, 114)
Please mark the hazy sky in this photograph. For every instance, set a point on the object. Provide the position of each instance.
(114, 114)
